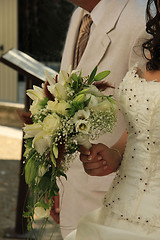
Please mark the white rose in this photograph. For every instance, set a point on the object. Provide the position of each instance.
(102, 106)
(93, 100)
(51, 122)
(59, 107)
(92, 90)
(52, 105)
(82, 126)
(41, 212)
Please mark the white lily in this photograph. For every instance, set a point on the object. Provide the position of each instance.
(31, 130)
(35, 107)
(58, 91)
(63, 77)
(49, 78)
(35, 93)
(69, 70)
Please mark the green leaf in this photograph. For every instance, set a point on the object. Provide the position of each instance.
(44, 183)
(80, 80)
(61, 173)
(53, 158)
(86, 102)
(42, 204)
(112, 100)
(71, 111)
(101, 75)
(75, 85)
(26, 214)
(43, 102)
(55, 151)
(74, 77)
(30, 170)
(93, 73)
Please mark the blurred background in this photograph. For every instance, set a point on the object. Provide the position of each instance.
(37, 28)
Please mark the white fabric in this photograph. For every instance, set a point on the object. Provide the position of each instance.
(132, 205)
(111, 46)
(98, 12)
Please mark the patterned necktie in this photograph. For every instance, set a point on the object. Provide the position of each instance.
(82, 38)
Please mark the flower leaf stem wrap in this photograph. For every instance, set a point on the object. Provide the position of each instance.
(68, 110)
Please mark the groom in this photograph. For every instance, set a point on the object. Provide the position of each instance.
(112, 45)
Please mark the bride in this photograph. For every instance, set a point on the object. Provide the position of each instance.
(131, 208)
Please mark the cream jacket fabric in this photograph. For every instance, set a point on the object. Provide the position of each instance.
(113, 45)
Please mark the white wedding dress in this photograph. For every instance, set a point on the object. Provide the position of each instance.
(131, 209)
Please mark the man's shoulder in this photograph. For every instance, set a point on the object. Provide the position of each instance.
(136, 7)
(78, 11)
(134, 12)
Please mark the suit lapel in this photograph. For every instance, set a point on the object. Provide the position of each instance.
(99, 40)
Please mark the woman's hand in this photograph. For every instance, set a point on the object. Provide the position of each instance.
(99, 160)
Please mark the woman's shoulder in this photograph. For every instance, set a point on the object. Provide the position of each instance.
(151, 75)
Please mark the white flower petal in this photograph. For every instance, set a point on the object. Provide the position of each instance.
(81, 115)
(35, 93)
(49, 78)
(63, 77)
(31, 130)
(82, 126)
(41, 212)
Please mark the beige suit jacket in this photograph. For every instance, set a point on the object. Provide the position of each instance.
(114, 46)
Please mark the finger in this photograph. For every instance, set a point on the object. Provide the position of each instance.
(96, 150)
(85, 159)
(94, 165)
(84, 150)
(102, 171)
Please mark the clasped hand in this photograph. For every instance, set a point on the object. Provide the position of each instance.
(99, 160)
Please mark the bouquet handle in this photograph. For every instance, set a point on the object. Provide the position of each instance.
(84, 141)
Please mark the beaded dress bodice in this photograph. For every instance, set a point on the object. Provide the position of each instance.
(135, 192)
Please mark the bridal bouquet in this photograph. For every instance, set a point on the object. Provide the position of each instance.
(67, 111)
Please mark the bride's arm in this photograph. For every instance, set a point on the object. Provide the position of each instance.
(101, 160)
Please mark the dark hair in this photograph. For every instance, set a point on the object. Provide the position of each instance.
(153, 28)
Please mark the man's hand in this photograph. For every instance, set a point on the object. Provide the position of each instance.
(99, 160)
